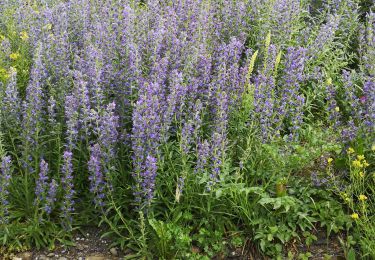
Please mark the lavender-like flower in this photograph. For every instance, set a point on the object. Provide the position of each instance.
(186, 137)
(264, 104)
(149, 177)
(292, 100)
(325, 36)
(5, 176)
(285, 16)
(68, 188)
(52, 111)
(11, 101)
(72, 117)
(5, 47)
(333, 110)
(107, 130)
(368, 45)
(264, 96)
(34, 100)
(97, 180)
(41, 183)
(51, 197)
(369, 104)
(219, 138)
(203, 156)
(83, 97)
(146, 138)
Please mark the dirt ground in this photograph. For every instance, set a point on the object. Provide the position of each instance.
(90, 246)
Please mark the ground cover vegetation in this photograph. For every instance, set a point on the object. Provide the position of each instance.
(185, 124)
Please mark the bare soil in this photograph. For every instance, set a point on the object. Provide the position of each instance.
(90, 246)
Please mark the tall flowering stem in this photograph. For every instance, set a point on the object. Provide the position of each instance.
(51, 197)
(67, 186)
(219, 139)
(294, 76)
(5, 177)
(33, 110)
(146, 137)
(41, 183)
(96, 178)
(107, 130)
(11, 102)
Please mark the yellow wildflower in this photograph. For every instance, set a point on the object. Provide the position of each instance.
(14, 56)
(365, 163)
(362, 197)
(3, 73)
(361, 174)
(345, 197)
(329, 81)
(350, 150)
(337, 109)
(24, 36)
(357, 164)
(329, 160)
(360, 157)
(373, 147)
(354, 216)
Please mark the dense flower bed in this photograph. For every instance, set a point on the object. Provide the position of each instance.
(185, 122)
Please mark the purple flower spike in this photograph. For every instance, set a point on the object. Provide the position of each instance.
(5, 176)
(68, 188)
(97, 182)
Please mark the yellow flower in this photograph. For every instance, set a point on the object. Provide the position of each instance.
(373, 147)
(354, 216)
(14, 56)
(360, 157)
(357, 164)
(329, 81)
(362, 197)
(361, 174)
(3, 73)
(329, 160)
(365, 163)
(1, 38)
(350, 150)
(24, 36)
(337, 109)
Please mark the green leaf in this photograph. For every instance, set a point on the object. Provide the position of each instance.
(351, 254)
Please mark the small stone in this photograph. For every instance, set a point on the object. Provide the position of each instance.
(62, 258)
(43, 257)
(80, 258)
(26, 256)
(113, 251)
(96, 257)
(80, 247)
(51, 255)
